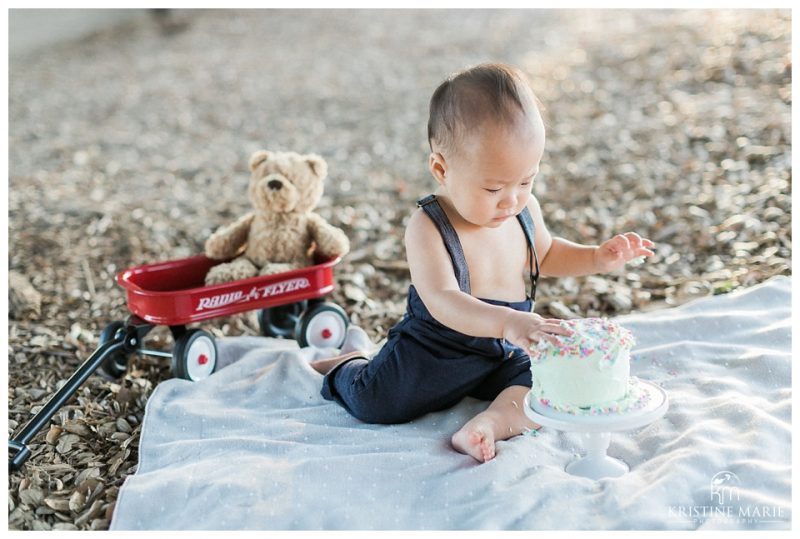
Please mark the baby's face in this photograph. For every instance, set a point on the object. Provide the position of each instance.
(489, 179)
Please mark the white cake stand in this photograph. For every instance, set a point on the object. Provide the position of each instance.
(596, 430)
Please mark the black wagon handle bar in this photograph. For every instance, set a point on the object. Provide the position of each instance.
(18, 451)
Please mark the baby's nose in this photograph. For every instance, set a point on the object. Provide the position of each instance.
(275, 185)
(508, 201)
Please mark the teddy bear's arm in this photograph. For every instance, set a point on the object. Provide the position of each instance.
(228, 240)
(330, 240)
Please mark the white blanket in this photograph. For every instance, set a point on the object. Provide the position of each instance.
(255, 446)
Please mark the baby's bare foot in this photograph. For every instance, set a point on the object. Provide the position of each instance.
(475, 439)
(356, 339)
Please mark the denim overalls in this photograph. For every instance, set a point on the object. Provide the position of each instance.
(425, 366)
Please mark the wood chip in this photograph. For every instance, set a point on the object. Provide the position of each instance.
(57, 504)
(559, 310)
(66, 442)
(77, 502)
(23, 299)
(53, 434)
(31, 496)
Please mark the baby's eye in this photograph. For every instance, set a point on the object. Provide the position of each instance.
(493, 191)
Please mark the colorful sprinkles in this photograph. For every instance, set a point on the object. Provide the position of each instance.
(635, 398)
(597, 338)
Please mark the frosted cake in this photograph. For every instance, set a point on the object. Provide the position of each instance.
(588, 372)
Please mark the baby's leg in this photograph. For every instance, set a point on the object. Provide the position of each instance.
(503, 419)
(356, 344)
(324, 366)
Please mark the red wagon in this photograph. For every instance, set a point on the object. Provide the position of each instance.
(174, 294)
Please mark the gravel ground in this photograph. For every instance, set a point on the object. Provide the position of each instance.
(131, 146)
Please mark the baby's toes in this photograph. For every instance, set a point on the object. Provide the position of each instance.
(487, 448)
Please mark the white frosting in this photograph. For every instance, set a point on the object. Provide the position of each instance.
(589, 368)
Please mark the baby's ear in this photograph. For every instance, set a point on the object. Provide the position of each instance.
(258, 157)
(318, 165)
(437, 166)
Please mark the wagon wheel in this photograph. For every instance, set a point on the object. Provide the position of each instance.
(281, 321)
(194, 356)
(323, 325)
(115, 365)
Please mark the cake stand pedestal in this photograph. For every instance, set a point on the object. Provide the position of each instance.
(595, 430)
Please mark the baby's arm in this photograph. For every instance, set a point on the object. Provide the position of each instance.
(562, 258)
(433, 276)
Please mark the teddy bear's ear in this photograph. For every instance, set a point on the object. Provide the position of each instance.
(318, 165)
(257, 158)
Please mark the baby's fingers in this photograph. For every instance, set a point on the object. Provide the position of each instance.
(549, 333)
(617, 244)
(637, 242)
(551, 339)
(555, 328)
(634, 239)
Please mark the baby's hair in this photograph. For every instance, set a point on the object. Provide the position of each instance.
(468, 98)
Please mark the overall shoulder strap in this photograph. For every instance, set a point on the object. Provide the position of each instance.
(526, 221)
(431, 207)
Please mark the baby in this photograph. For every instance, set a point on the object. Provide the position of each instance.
(469, 319)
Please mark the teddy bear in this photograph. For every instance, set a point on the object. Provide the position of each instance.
(282, 233)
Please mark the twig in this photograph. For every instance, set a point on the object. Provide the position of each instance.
(394, 265)
(87, 272)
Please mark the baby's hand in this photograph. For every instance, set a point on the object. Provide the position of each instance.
(524, 329)
(622, 248)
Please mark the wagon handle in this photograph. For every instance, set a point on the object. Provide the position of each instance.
(18, 451)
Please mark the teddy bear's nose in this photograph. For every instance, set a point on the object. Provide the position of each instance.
(275, 185)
